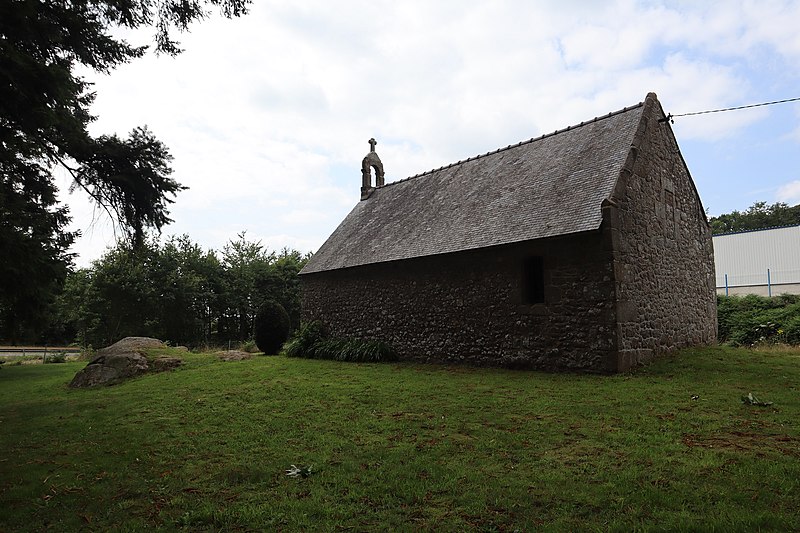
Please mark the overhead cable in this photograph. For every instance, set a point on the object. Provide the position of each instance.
(670, 116)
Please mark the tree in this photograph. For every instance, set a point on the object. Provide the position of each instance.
(44, 114)
(758, 216)
(282, 283)
(165, 291)
(77, 309)
(33, 248)
(176, 292)
(190, 282)
(253, 276)
(245, 263)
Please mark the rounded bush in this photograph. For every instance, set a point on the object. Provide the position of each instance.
(271, 327)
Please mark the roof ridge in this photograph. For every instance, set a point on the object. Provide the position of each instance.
(510, 146)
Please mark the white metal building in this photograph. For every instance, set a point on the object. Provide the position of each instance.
(764, 262)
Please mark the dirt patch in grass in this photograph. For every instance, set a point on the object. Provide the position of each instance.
(759, 443)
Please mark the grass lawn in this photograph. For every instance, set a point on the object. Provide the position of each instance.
(405, 447)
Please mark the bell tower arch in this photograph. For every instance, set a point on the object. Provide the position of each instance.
(371, 161)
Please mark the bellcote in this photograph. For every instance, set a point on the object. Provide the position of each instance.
(371, 161)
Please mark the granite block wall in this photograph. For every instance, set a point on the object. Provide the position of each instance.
(662, 251)
(470, 306)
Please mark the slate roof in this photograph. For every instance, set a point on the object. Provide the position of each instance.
(544, 187)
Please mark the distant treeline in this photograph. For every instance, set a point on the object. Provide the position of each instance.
(758, 216)
(174, 291)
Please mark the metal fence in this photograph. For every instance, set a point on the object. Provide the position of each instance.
(37, 351)
(771, 279)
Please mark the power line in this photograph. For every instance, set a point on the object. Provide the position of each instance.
(671, 116)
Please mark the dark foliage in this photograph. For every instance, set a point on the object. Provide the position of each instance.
(176, 292)
(355, 350)
(749, 320)
(311, 341)
(254, 275)
(130, 179)
(44, 115)
(271, 327)
(304, 340)
(33, 247)
(281, 282)
(758, 216)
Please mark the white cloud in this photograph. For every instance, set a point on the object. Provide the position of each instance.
(268, 116)
(789, 193)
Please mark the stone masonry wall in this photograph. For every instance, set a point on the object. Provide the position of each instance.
(468, 306)
(663, 255)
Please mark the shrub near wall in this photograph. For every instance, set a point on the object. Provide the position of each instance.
(271, 327)
(751, 319)
(311, 341)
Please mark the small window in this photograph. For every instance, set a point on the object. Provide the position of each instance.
(533, 280)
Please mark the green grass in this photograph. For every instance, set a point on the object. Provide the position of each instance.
(405, 447)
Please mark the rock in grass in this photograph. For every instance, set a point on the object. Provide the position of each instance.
(131, 344)
(110, 369)
(234, 355)
(122, 360)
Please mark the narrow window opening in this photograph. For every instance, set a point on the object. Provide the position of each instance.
(533, 280)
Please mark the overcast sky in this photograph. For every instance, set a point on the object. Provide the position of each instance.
(268, 116)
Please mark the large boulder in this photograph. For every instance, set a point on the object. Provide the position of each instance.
(123, 360)
(131, 344)
(110, 369)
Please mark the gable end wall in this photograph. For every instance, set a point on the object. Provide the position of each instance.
(663, 258)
